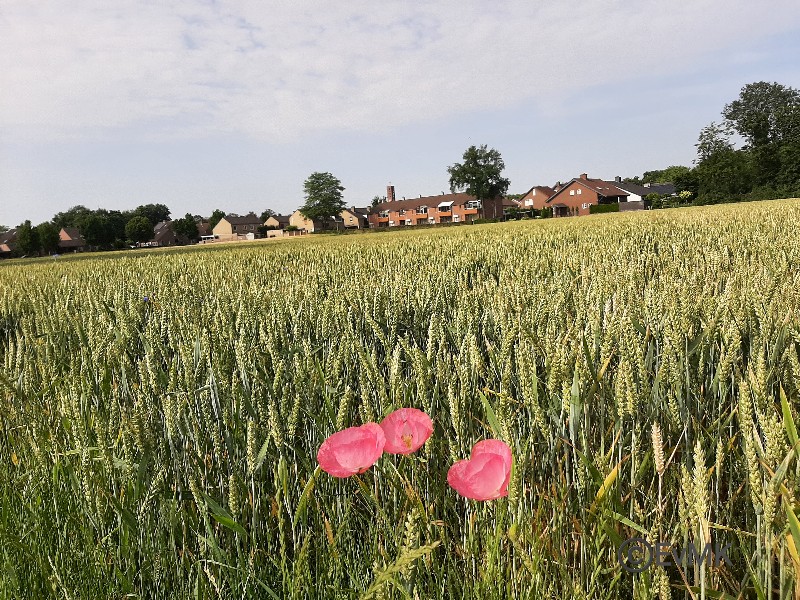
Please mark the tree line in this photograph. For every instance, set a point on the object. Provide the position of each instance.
(765, 118)
(765, 121)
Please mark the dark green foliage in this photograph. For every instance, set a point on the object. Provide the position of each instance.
(139, 229)
(48, 237)
(480, 174)
(765, 113)
(767, 116)
(596, 209)
(186, 228)
(155, 213)
(323, 194)
(27, 239)
(267, 214)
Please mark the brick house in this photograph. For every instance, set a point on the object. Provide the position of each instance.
(536, 197)
(430, 210)
(576, 196)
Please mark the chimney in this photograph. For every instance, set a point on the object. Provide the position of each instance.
(390, 193)
(618, 179)
(584, 176)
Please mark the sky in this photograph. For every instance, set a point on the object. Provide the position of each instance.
(233, 104)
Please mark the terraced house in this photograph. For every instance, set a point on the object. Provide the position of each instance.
(430, 210)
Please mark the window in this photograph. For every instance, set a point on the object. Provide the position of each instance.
(409, 222)
(402, 211)
(579, 191)
(422, 210)
(572, 192)
(383, 213)
(473, 204)
(528, 202)
(391, 222)
(585, 205)
(456, 218)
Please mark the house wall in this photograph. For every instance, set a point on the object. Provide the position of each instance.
(576, 197)
(223, 228)
(350, 219)
(299, 221)
(273, 222)
(535, 199)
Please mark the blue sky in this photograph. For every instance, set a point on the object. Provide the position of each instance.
(232, 104)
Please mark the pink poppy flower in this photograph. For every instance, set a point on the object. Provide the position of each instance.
(486, 474)
(352, 450)
(406, 430)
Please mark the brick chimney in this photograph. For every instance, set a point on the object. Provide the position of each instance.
(390, 193)
(584, 176)
(618, 179)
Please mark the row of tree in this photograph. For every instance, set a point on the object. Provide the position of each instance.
(766, 164)
(766, 117)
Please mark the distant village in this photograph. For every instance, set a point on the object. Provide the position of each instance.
(578, 197)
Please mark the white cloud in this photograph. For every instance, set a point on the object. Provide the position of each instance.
(277, 70)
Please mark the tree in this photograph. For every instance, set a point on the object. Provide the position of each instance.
(267, 214)
(73, 217)
(48, 237)
(27, 239)
(765, 113)
(480, 174)
(3, 228)
(377, 200)
(215, 218)
(687, 182)
(186, 227)
(139, 229)
(323, 197)
(155, 213)
(714, 139)
(670, 174)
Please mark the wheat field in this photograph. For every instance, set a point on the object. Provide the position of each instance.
(160, 413)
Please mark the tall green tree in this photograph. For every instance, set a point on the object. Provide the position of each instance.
(714, 139)
(48, 237)
(267, 214)
(27, 239)
(765, 113)
(3, 228)
(323, 194)
(670, 174)
(139, 229)
(155, 213)
(186, 227)
(480, 173)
